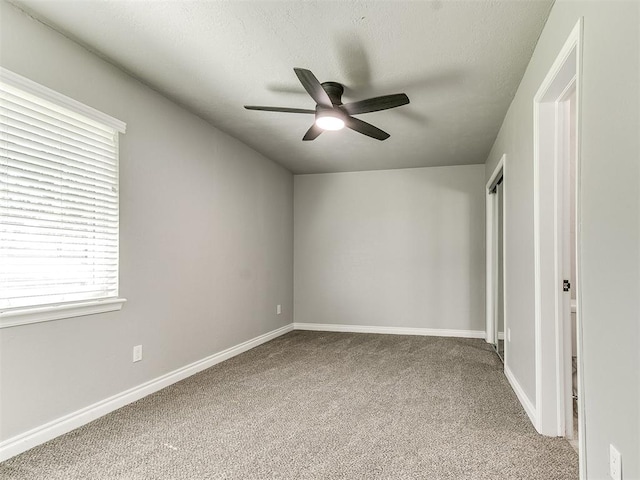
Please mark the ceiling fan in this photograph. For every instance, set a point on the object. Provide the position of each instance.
(331, 113)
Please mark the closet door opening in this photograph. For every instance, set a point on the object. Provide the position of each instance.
(496, 318)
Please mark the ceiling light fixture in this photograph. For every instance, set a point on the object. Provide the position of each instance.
(329, 120)
(331, 113)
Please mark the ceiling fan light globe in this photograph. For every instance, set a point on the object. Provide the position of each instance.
(328, 122)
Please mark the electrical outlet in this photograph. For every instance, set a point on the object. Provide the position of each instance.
(508, 334)
(278, 309)
(615, 466)
(137, 353)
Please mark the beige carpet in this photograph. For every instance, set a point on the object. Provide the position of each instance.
(316, 405)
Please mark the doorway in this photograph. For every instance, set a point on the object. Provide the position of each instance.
(559, 404)
(495, 301)
(568, 227)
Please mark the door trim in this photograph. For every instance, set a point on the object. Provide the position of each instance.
(491, 255)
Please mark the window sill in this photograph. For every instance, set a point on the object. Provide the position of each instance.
(24, 316)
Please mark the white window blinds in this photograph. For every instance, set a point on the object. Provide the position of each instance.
(58, 198)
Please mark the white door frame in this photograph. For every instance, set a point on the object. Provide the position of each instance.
(549, 166)
(491, 255)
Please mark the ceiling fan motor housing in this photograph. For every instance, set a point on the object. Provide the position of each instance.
(334, 90)
(331, 118)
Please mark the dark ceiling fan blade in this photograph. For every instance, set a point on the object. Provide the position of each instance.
(279, 109)
(312, 133)
(366, 128)
(313, 87)
(376, 104)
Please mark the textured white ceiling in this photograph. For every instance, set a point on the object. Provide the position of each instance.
(460, 63)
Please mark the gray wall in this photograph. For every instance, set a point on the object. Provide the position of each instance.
(395, 248)
(610, 222)
(206, 243)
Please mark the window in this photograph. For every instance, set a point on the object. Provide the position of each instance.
(58, 205)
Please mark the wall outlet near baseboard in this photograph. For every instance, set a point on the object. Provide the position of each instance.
(615, 467)
(137, 353)
(278, 309)
(508, 334)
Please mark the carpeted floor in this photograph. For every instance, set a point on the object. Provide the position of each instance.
(318, 405)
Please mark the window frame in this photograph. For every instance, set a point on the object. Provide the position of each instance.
(12, 317)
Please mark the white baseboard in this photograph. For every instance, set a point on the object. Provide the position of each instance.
(20, 443)
(431, 332)
(524, 400)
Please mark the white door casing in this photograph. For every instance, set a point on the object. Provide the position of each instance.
(492, 253)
